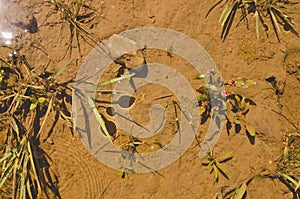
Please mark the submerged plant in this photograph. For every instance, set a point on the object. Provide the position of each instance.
(26, 101)
(217, 164)
(76, 14)
(239, 109)
(234, 106)
(289, 162)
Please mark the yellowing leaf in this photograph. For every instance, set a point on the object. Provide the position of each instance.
(216, 172)
(250, 129)
(202, 109)
(236, 120)
(41, 100)
(33, 106)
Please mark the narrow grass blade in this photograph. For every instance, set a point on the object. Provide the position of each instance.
(29, 189)
(211, 163)
(223, 12)
(14, 125)
(33, 166)
(274, 23)
(221, 167)
(226, 156)
(74, 117)
(226, 17)
(112, 81)
(6, 156)
(63, 69)
(46, 116)
(213, 8)
(99, 118)
(257, 24)
(6, 175)
(227, 23)
(289, 178)
(25, 179)
(216, 172)
(22, 187)
(287, 21)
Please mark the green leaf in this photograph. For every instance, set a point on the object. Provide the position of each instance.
(250, 129)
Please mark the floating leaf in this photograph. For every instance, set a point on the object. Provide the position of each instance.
(244, 83)
(211, 87)
(200, 76)
(250, 129)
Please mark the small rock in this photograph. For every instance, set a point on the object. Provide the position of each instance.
(267, 54)
(125, 51)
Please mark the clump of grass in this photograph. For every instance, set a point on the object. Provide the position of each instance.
(26, 100)
(262, 10)
(76, 15)
(289, 163)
